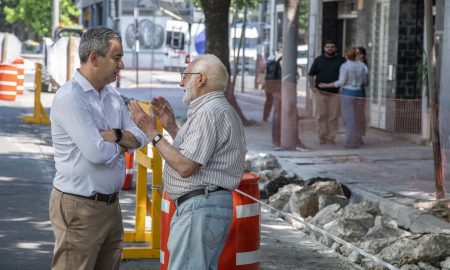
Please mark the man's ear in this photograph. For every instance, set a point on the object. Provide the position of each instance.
(202, 79)
(93, 58)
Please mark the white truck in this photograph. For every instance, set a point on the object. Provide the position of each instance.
(180, 45)
(60, 57)
(251, 47)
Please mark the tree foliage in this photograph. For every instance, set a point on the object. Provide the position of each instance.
(36, 15)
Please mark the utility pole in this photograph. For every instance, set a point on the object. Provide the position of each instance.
(289, 113)
(273, 27)
(55, 16)
(136, 42)
(244, 61)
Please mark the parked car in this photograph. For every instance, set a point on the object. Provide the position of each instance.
(302, 59)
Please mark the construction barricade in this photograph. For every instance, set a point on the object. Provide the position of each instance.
(128, 181)
(20, 65)
(8, 82)
(39, 114)
(146, 206)
(167, 210)
(242, 249)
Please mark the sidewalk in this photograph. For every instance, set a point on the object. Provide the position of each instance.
(391, 171)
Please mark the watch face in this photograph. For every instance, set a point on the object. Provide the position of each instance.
(157, 138)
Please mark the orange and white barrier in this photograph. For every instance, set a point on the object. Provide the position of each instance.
(167, 211)
(8, 82)
(128, 181)
(242, 249)
(20, 65)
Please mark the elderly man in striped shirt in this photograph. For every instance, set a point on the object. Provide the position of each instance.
(204, 163)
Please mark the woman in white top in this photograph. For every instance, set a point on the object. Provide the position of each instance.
(352, 77)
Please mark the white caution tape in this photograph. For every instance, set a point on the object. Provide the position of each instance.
(325, 233)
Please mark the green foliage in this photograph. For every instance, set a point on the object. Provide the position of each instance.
(240, 3)
(37, 14)
(303, 13)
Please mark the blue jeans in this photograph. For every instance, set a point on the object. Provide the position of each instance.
(349, 99)
(198, 231)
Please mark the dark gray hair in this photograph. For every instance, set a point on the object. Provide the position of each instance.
(96, 40)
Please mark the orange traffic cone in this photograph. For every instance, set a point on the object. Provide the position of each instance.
(127, 183)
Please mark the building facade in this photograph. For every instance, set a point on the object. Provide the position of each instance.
(392, 31)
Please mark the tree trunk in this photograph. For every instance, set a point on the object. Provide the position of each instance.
(442, 26)
(217, 30)
(439, 170)
(289, 114)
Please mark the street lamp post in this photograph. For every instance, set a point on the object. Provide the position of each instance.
(136, 43)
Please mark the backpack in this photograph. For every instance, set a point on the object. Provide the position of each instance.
(273, 70)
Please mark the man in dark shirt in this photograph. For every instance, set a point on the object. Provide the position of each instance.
(325, 69)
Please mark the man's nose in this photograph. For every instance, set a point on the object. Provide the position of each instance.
(121, 65)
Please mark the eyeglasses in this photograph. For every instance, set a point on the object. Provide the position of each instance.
(183, 74)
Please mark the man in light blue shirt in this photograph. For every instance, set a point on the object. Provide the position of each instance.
(91, 130)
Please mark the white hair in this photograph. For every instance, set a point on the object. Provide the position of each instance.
(214, 68)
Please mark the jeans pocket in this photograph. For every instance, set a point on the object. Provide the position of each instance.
(215, 230)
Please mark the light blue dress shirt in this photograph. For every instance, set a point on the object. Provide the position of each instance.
(85, 163)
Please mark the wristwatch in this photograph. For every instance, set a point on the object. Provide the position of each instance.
(119, 134)
(156, 139)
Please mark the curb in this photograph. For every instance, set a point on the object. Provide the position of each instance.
(407, 217)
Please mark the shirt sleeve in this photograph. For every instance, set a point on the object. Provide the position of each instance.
(313, 70)
(200, 139)
(72, 115)
(129, 125)
(342, 76)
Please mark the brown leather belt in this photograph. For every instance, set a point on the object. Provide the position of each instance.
(109, 199)
(194, 193)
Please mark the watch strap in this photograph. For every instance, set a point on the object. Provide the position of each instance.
(119, 134)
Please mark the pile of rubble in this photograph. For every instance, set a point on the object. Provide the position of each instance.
(329, 205)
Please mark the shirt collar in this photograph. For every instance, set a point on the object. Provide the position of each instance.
(200, 101)
(85, 84)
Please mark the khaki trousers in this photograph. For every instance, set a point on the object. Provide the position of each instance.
(88, 233)
(328, 110)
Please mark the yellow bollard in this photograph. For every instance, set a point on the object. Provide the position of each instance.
(39, 116)
(145, 205)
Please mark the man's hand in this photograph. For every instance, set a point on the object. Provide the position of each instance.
(108, 135)
(164, 112)
(146, 122)
(166, 116)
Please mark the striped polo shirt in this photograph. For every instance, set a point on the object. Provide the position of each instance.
(212, 136)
